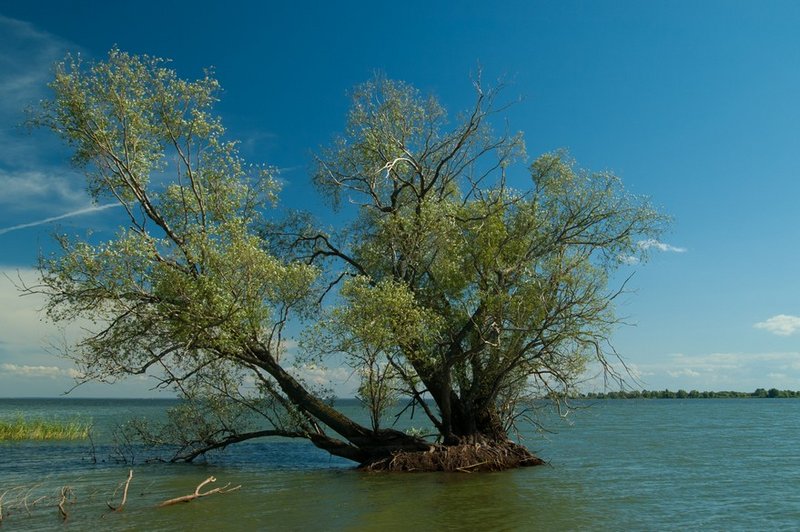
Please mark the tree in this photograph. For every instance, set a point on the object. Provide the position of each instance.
(448, 284)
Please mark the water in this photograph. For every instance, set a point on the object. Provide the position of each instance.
(621, 465)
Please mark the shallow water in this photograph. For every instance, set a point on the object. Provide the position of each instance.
(635, 464)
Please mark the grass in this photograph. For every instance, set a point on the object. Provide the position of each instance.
(21, 429)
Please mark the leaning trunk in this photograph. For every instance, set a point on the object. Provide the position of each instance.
(362, 444)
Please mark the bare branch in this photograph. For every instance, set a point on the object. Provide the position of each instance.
(124, 494)
(198, 494)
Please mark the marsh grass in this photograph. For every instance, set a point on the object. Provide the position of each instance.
(21, 429)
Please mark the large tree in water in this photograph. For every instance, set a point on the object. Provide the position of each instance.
(448, 287)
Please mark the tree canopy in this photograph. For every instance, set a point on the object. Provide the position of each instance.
(448, 283)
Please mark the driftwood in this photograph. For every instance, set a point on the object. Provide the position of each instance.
(197, 493)
(124, 494)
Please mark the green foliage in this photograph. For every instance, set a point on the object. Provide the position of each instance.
(189, 284)
(189, 273)
(377, 326)
(449, 281)
(512, 284)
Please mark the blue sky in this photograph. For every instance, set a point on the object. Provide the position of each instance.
(694, 104)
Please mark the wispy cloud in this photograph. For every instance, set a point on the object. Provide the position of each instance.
(652, 243)
(337, 378)
(51, 372)
(33, 175)
(685, 372)
(43, 221)
(37, 190)
(322, 375)
(256, 140)
(782, 324)
(30, 348)
(21, 330)
(26, 57)
(25, 330)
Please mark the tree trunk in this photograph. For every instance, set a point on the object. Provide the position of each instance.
(473, 423)
(363, 444)
(473, 438)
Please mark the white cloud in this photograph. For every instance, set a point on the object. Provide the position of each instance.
(21, 328)
(685, 372)
(782, 324)
(26, 58)
(33, 174)
(660, 246)
(720, 371)
(777, 376)
(636, 371)
(338, 378)
(322, 375)
(27, 338)
(630, 260)
(50, 372)
(28, 366)
(36, 189)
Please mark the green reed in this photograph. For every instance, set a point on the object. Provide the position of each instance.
(20, 429)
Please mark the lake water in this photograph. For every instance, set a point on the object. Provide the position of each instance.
(619, 465)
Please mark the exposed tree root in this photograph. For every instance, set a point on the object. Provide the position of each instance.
(197, 493)
(466, 458)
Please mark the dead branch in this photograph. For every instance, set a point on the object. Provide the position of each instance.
(124, 494)
(25, 498)
(16, 498)
(466, 469)
(66, 493)
(10, 505)
(197, 494)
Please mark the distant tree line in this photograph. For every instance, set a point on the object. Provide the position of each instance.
(693, 394)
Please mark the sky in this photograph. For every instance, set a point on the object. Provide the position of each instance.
(694, 104)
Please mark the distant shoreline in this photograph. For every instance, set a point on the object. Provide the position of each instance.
(760, 393)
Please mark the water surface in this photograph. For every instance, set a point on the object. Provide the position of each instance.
(624, 464)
